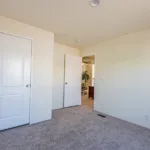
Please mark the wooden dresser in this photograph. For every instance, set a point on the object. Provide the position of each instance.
(91, 92)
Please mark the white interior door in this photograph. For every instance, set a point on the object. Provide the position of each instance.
(72, 87)
(15, 57)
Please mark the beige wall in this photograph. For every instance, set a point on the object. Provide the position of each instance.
(42, 66)
(122, 79)
(65, 49)
(58, 80)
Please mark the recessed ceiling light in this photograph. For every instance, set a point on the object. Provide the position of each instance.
(78, 41)
(94, 3)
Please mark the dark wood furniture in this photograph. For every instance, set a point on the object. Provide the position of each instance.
(91, 92)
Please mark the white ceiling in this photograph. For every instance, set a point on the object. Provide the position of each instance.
(75, 19)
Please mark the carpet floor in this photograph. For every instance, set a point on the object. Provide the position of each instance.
(77, 128)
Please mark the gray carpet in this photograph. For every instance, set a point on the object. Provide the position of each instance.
(77, 128)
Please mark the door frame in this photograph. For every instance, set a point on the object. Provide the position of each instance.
(92, 54)
(31, 66)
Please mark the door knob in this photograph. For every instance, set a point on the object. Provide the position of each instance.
(66, 83)
(28, 85)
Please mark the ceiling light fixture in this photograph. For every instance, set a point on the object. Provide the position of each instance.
(94, 3)
(78, 41)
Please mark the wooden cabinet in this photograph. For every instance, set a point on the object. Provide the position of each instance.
(91, 92)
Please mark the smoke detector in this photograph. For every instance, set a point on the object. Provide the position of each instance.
(94, 3)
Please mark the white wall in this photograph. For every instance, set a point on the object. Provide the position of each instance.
(122, 80)
(42, 66)
(58, 81)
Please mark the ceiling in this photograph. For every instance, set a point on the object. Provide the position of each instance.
(73, 20)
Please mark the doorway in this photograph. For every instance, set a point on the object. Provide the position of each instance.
(88, 76)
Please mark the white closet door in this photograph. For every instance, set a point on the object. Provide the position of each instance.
(72, 88)
(15, 64)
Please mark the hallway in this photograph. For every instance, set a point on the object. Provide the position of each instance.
(87, 101)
